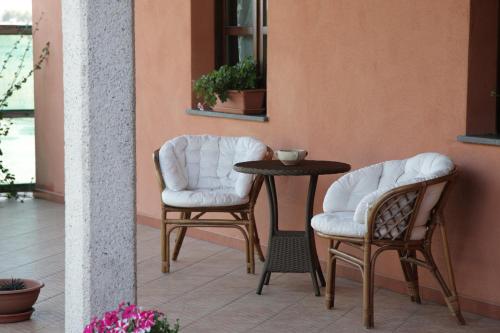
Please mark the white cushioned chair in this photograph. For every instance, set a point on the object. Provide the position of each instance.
(394, 205)
(196, 175)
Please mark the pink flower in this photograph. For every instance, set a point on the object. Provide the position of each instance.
(130, 312)
(93, 326)
(126, 318)
(110, 318)
(121, 326)
(146, 320)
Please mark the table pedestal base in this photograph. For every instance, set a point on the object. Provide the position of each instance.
(291, 251)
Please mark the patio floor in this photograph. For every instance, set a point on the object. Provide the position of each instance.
(208, 289)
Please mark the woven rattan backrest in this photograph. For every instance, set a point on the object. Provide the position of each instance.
(396, 213)
(393, 217)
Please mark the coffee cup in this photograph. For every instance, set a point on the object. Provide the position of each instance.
(290, 156)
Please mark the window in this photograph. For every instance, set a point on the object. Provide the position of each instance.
(16, 60)
(241, 31)
(483, 91)
(496, 93)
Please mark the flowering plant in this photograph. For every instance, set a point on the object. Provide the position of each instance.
(129, 318)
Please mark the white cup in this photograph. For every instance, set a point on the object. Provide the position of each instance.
(290, 156)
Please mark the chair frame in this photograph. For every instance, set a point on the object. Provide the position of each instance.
(402, 243)
(243, 219)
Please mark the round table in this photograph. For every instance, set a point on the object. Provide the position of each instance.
(291, 251)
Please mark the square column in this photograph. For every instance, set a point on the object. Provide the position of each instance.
(99, 135)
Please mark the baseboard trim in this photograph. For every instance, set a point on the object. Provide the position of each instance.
(467, 304)
(48, 195)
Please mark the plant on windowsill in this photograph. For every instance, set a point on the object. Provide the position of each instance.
(17, 297)
(232, 89)
(131, 319)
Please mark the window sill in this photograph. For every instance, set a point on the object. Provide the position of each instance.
(258, 118)
(486, 139)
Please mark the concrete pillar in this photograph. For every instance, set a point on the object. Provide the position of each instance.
(99, 134)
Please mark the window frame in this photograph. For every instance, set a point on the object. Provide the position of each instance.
(257, 31)
(497, 90)
(12, 29)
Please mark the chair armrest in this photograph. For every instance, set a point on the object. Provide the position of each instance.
(159, 177)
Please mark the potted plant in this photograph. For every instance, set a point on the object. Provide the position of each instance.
(131, 318)
(232, 89)
(17, 297)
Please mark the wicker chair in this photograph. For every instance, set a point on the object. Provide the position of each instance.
(196, 177)
(395, 205)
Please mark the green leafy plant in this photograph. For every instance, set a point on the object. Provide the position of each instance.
(19, 78)
(12, 284)
(241, 76)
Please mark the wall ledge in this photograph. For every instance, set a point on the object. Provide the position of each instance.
(39, 193)
(258, 118)
(486, 139)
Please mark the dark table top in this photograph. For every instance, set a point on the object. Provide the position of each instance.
(304, 168)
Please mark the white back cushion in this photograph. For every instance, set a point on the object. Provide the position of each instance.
(372, 181)
(192, 162)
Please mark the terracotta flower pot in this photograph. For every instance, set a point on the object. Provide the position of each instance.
(243, 102)
(17, 305)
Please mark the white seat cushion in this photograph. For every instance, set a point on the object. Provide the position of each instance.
(343, 224)
(338, 223)
(202, 198)
(198, 170)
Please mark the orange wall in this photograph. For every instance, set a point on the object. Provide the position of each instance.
(355, 81)
(49, 118)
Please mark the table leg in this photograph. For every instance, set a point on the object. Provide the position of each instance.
(268, 277)
(273, 227)
(315, 266)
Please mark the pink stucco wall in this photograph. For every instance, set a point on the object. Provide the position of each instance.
(354, 81)
(49, 133)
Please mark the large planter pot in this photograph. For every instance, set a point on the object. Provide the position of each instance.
(243, 102)
(17, 305)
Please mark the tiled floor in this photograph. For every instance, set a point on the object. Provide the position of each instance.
(208, 289)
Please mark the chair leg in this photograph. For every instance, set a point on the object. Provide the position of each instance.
(367, 287)
(164, 254)
(330, 276)
(258, 247)
(411, 275)
(414, 276)
(181, 233)
(165, 245)
(251, 248)
(449, 293)
(247, 247)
